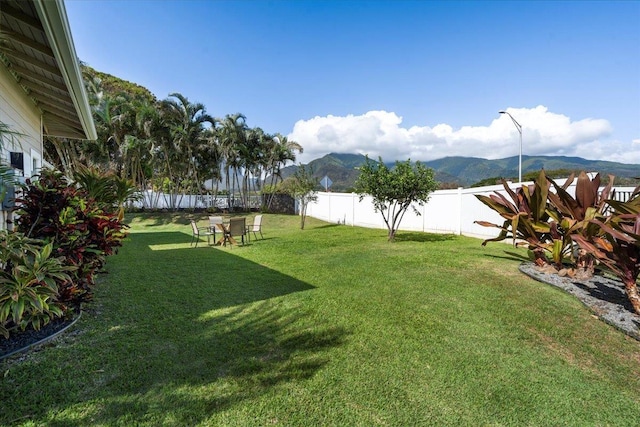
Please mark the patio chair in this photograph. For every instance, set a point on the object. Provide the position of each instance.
(197, 231)
(237, 228)
(255, 227)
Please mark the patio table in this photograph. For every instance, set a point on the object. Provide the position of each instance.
(226, 234)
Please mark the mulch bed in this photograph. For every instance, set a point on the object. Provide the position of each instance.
(604, 296)
(21, 341)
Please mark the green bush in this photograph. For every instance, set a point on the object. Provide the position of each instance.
(28, 283)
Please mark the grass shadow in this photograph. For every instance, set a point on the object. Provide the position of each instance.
(236, 356)
(321, 227)
(183, 321)
(511, 256)
(231, 279)
(423, 237)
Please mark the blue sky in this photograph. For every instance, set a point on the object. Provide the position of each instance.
(397, 79)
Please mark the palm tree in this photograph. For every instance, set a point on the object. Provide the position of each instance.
(115, 119)
(231, 137)
(253, 154)
(283, 151)
(65, 154)
(187, 124)
(209, 157)
(69, 155)
(138, 147)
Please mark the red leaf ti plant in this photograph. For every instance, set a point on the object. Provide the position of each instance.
(527, 220)
(617, 245)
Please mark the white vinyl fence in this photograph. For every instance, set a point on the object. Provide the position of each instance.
(447, 211)
(157, 200)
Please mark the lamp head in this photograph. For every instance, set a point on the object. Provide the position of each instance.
(502, 112)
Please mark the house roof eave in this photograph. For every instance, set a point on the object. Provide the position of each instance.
(53, 17)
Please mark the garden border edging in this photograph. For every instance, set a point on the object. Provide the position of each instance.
(43, 340)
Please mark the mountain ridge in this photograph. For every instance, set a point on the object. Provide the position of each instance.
(455, 171)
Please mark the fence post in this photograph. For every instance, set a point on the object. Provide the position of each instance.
(424, 215)
(459, 222)
(353, 209)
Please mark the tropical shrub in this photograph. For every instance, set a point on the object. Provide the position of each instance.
(527, 220)
(574, 214)
(29, 280)
(606, 231)
(81, 231)
(546, 220)
(108, 189)
(617, 246)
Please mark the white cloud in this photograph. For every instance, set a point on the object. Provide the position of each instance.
(380, 133)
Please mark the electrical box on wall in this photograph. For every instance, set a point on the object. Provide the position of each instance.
(9, 197)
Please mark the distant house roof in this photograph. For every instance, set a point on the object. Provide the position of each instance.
(37, 48)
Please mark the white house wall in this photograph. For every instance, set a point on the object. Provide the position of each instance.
(21, 116)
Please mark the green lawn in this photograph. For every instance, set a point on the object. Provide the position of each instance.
(327, 326)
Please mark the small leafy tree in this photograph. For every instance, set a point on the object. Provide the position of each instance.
(302, 187)
(394, 190)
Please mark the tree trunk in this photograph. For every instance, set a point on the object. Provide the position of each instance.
(272, 189)
(585, 265)
(539, 258)
(303, 214)
(631, 288)
(215, 197)
(392, 235)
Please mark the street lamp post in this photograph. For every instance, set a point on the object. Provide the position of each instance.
(519, 127)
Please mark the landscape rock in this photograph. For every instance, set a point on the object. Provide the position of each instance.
(604, 296)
